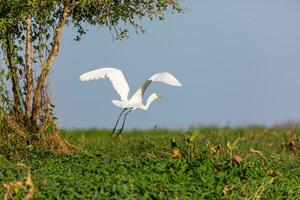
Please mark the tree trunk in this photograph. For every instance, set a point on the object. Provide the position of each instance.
(28, 72)
(14, 79)
(41, 82)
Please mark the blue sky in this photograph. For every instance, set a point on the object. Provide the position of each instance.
(238, 61)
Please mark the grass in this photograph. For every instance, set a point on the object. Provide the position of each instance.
(217, 163)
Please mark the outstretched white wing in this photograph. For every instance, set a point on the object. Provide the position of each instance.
(163, 77)
(115, 76)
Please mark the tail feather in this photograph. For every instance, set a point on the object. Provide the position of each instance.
(118, 103)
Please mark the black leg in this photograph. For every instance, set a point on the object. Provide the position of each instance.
(113, 131)
(120, 131)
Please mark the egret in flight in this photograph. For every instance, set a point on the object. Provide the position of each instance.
(120, 85)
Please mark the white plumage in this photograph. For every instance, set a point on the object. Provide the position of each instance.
(121, 86)
(115, 76)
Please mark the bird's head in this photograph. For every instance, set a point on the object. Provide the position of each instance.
(155, 96)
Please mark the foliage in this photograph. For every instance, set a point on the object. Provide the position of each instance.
(140, 165)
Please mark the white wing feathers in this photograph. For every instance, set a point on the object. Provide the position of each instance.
(96, 74)
(164, 77)
(115, 76)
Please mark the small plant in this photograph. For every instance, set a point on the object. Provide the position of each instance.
(190, 144)
(291, 141)
(232, 147)
(175, 152)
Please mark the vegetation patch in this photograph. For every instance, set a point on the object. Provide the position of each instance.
(210, 163)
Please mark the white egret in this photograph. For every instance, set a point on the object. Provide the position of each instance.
(120, 85)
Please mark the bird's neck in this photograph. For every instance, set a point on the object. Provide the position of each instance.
(149, 101)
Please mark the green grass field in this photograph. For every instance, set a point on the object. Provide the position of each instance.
(217, 163)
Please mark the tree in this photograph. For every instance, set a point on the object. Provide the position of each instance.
(30, 36)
